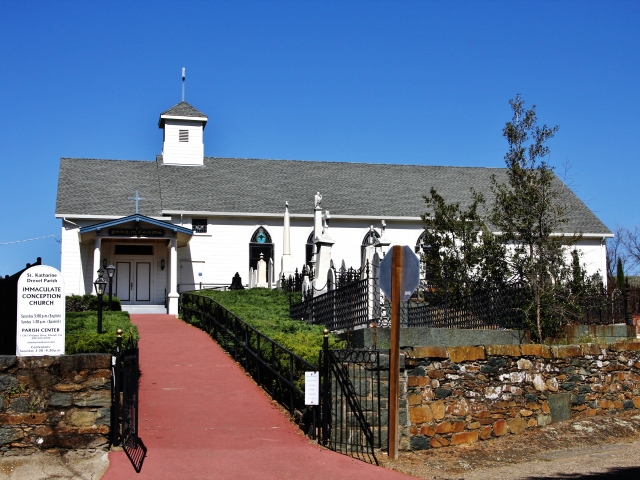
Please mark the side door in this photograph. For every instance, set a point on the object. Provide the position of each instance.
(124, 282)
(143, 282)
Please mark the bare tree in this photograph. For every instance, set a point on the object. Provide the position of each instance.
(616, 250)
(630, 240)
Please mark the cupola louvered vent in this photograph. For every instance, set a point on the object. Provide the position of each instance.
(183, 135)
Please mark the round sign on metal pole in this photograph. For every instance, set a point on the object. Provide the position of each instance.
(399, 277)
(410, 273)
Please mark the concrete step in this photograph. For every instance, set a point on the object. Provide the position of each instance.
(148, 309)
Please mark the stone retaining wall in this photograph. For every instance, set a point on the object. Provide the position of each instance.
(460, 395)
(54, 402)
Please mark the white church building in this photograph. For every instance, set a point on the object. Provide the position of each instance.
(186, 220)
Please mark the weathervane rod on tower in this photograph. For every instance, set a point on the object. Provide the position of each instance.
(183, 79)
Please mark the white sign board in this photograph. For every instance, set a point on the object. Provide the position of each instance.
(41, 308)
(311, 388)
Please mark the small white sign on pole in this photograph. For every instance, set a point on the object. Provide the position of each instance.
(41, 312)
(311, 388)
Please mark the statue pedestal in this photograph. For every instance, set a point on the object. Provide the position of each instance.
(323, 263)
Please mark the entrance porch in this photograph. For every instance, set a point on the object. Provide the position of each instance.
(144, 252)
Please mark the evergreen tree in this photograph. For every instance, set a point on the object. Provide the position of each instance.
(529, 212)
(530, 215)
(620, 275)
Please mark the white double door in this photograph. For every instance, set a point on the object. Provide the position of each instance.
(133, 281)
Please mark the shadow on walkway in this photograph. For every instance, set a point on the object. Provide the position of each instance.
(618, 473)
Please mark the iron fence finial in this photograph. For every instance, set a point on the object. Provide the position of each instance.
(325, 332)
(119, 333)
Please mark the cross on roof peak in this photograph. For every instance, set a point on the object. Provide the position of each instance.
(137, 198)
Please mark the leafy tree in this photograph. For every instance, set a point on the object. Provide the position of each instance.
(529, 212)
(463, 252)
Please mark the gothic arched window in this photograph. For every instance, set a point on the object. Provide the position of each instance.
(422, 248)
(260, 243)
(309, 249)
(421, 244)
(369, 239)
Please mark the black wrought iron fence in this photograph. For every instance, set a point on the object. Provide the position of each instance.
(633, 300)
(275, 368)
(489, 308)
(343, 308)
(292, 283)
(605, 309)
(352, 402)
(125, 377)
(360, 303)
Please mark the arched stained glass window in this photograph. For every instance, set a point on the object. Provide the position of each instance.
(261, 236)
(260, 243)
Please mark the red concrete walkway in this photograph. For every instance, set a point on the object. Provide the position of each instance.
(202, 417)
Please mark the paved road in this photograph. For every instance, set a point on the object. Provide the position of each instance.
(202, 417)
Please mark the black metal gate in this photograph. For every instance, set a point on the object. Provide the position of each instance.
(124, 401)
(351, 404)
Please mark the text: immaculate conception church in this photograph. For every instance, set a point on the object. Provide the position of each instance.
(203, 219)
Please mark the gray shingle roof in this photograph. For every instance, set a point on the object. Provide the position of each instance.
(101, 187)
(261, 186)
(183, 109)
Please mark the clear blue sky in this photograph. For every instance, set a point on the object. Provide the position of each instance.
(375, 81)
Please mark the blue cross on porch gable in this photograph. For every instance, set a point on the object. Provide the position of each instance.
(137, 198)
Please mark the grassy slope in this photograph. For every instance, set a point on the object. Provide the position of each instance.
(268, 311)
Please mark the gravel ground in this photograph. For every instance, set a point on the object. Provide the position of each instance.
(78, 464)
(605, 447)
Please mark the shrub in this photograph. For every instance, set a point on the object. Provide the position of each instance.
(82, 331)
(83, 303)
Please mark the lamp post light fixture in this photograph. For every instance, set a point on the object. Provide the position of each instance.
(100, 283)
(111, 270)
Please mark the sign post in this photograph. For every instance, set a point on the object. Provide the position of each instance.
(399, 277)
(41, 312)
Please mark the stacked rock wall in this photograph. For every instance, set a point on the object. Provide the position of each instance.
(460, 395)
(54, 402)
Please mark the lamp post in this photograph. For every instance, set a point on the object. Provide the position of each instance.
(100, 283)
(110, 271)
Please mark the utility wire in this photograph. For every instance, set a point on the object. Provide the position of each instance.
(30, 240)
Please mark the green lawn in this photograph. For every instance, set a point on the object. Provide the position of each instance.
(81, 331)
(268, 312)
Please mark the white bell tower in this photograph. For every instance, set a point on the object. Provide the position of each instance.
(183, 127)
